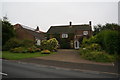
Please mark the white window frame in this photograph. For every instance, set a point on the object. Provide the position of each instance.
(64, 35)
(85, 32)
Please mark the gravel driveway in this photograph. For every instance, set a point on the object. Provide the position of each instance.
(69, 55)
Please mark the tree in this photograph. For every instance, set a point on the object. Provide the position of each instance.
(97, 29)
(107, 26)
(7, 31)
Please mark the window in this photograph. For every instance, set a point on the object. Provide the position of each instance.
(64, 35)
(85, 32)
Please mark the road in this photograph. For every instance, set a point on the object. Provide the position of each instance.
(15, 69)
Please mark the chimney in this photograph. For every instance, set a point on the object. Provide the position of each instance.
(70, 23)
(37, 29)
(90, 23)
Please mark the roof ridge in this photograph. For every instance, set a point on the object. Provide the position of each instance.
(71, 25)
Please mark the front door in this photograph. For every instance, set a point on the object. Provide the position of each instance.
(76, 44)
(64, 43)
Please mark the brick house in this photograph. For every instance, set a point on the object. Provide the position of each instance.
(70, 36)
(25, 32)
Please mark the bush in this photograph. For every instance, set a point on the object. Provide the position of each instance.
(51, 44)
(27, 43)
(109, 41)
(12, 43)
(8, 31)
(15, 43)
(89, 41)
(45, 52)
(19, 50)
(44, 45)
(98, 56)
(33, 49)
(25, 50)
(85, 41)
(94, 46)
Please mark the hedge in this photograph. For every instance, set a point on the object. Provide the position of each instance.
(109, 41)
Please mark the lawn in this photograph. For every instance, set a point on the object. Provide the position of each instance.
(16, 56)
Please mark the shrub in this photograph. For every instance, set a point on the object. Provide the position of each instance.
(85, 41)
(27, 43)
(12, 43)
(19, 50)
(33, 49)
(25, 49)
(8, 31)
(51, 44)
(44, 45)
(94, 46)
(109, 41)
(45, 52)
(98, 56)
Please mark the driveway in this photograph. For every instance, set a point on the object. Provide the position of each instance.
(70, 59)
(69, 55)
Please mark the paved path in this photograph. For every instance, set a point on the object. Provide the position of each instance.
(69, 55)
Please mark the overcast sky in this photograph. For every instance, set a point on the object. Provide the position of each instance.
(46, 14)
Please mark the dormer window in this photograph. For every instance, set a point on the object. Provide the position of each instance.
(85, 32)
(64, 35)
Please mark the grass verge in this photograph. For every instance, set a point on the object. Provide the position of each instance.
(16, 56)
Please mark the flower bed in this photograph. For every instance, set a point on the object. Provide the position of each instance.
(45, 52)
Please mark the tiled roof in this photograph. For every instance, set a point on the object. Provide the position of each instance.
(35, 34)
(32, 31)
(26, 27)
(67, 29)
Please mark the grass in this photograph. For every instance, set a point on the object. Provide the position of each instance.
(17, 56)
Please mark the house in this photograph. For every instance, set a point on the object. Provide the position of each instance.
(70, 36)
(25, 32)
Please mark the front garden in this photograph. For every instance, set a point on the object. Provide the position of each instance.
(104, 46)
(15, 49)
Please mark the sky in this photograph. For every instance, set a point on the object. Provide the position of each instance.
(46, 14)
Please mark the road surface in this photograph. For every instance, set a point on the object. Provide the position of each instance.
(15, 69)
